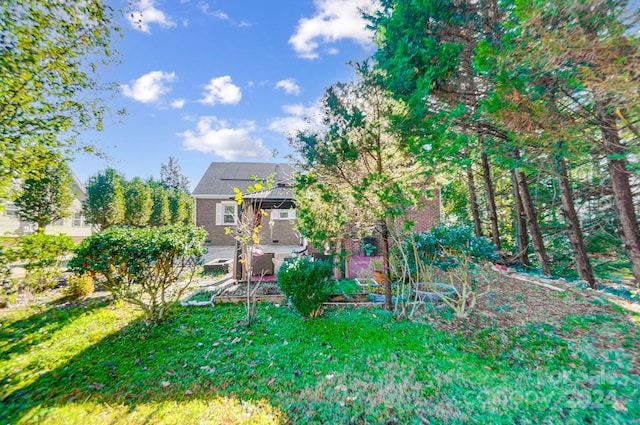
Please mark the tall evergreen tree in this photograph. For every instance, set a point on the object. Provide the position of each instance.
(47, 197)
(105, 205)
(171, 176)
(138, 203)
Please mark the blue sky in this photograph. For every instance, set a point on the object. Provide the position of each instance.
(221, 80)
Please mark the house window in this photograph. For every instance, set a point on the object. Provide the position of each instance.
(78, 220)
(284, 214)
(229, 214)
(10, 209)
(59, 223)
(226, 213)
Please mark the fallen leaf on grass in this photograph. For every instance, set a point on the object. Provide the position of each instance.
(188, 392)
(620, 406)
(96, 386)
(165, 384)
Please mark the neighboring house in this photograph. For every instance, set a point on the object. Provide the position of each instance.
(74, 226)
(215, 208)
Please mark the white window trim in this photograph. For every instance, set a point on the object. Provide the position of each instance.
(221, 207)
(277, 214)
(10, 209)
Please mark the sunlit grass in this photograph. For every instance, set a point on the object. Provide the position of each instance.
(96, 363)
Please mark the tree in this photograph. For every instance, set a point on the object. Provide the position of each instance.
(49, 55)
(105, 205)
(171, 177)
(180, 206)
(160, 211)
(578, 91)
(361, 158)
(138, 203)
(47, 197)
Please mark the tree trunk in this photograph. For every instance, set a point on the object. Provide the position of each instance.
(491, 200)
(521, 225)
(384, 232)
(573, 227)
(532, 219)
(622, 194)
(473, 198)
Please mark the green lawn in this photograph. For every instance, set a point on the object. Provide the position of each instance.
(96, 363)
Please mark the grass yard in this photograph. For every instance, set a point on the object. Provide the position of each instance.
(94, 362)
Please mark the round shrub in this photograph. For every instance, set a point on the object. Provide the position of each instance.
(150, 268)
(43, 256)
(79, 286)
(306, 284)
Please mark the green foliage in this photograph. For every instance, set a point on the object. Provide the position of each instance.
(344, 286)
(49, 58)
(43, 257)
(443, 246)
(181, 207)
(306, 284)
(357, 170)
(79, 286)
(47, 197)
(368, 248)
(148, 267)
(105, 204)
(201, 368)
(138, 203)
(160, 212)
(8, 286)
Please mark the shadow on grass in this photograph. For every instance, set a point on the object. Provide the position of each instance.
(196, 357)
(134, 366)
(21, 335)
(201, 361)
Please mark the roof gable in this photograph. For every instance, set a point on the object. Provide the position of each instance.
(222, 177)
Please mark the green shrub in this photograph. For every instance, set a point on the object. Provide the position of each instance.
(43, 256)
(150, 268)
(306, 284)
(79, 286)
(443, 246)
(8, 286)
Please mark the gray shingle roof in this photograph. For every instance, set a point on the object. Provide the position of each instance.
(222, 177)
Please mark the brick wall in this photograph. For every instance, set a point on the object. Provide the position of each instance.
(282, 232)
(206, 218)
(425, 217)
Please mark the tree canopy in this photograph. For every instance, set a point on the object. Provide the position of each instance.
(47, 197)
(50, 51)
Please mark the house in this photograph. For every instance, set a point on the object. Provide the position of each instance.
(216, 209)
(74, 226)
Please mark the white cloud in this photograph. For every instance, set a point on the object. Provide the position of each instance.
(178, 103)
(145, 13)
(300, 118)
(204, 8)
(214, 135)
(150, 87)
(334, 20)
(289, 86)
(221, 90)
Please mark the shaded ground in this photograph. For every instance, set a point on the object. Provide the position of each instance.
(528, 354)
